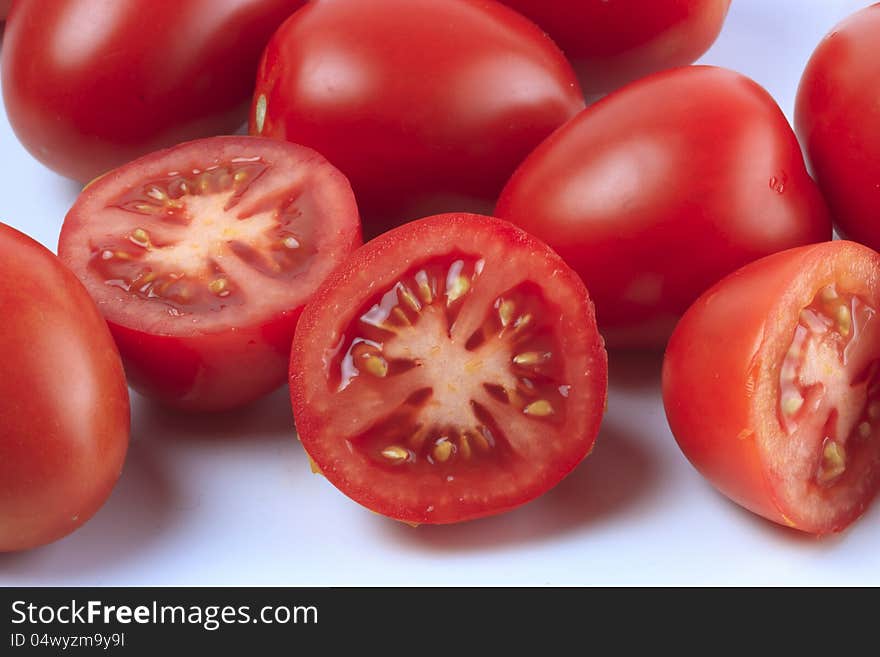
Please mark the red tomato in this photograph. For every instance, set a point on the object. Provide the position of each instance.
(201, 257)
(451, 369)
(426, 106)
(64, 414)
(92, 84)
(612, 43)
(662, 188)
(4, 8)
(838, 121)
(772, 390)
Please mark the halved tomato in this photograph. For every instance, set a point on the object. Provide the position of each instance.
(451, 369)
(202, 257)
(772, 385)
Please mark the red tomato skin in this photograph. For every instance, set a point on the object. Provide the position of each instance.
(92, 84)
(433, 104)
(208, 372)
(662, 188)
(837, 118)
(306, 359)
(64, 408)
(711, 367)
(5, 5)
(613, 43)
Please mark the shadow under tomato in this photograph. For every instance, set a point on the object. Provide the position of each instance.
(266, 417)
(616, 476)
(139, 509)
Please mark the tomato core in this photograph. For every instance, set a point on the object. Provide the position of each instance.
(194, 239)
(505, 365)
(829, 391)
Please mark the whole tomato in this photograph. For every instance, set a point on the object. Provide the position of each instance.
(92, 84)
(837, 118)
(663, 187)
(612, 43)
(426, 106)
(64, 415)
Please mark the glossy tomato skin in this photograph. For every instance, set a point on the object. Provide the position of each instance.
(612, 43)
(63, 400)
(433, 499)
(236, 361)
(426, 106)
(91, 84)
(837, 118)
(715, 360)
(662, 188)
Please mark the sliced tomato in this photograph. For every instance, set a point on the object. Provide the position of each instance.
(451, 369)
(771, 383)
(202, 257)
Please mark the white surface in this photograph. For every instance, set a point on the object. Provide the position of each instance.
(230, 500)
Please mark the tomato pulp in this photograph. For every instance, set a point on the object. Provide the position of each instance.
(663, 187)
(201, 257)
(91, 84)
(838, 120)
(771, 384)
(451, 369)
(64, 415)
(426, 106)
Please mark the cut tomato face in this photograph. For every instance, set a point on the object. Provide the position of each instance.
(202, 257)
(451, 369)
(791, 429)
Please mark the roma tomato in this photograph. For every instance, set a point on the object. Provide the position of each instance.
(838, 120)
(612, 43)
(451, 369)
(91, 84)
(660, 189)
(771, 384)
(64, 416)
(201, 258)
(426, 106)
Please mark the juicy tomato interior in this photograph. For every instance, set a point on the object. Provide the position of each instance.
(438, 377)
(189, 245)
(829, 406)
(468, 401)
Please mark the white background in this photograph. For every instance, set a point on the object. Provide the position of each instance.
(230, 499)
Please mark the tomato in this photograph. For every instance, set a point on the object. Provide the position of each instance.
(771, 385)
(662, 188)
(838, 120)
(612, 43)
(64, 415)
(426, 106)
(202, 257)
(92, 84)
(4, 8)
(451, 369)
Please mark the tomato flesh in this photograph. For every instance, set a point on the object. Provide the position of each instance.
(202, 258)
(452, 383)
(829, 402)
(771, 388)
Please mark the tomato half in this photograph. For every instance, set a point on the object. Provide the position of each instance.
(92, 84)
(660, 189)
(772, 385)
(838, 120)
(426, 106)
(64, 415)
(612, 43)
(202, 257)
(451, 369)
